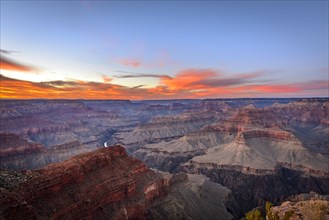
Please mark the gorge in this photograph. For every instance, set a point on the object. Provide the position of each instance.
(170, 159)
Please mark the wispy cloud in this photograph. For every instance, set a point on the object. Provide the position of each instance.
(8, 51)
(13, 65)
(141, 75)
(9, 64)
(192, 79)
(316, 84)
(136, 87)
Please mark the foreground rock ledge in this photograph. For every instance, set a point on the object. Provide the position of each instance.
(108, 184)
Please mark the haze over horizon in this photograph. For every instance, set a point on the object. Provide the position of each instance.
(163, 50)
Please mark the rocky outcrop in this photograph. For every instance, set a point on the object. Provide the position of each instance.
(252, 190)
(107, 184)
(163, 160)
(96, 182)
(19, 154)
(309, 209)
(263, 165)
(259, 151)
(10, 179)
(167, 156)
(278, 135)
(196, 198)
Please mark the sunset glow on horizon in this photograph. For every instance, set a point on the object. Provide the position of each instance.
(163, 50)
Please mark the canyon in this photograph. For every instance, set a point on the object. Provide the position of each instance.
(108, 184)
(176, 159)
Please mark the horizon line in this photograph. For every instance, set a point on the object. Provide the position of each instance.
(201, 99)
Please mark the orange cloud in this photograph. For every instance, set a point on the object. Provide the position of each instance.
(188, 79)
(9, 64)
(201, 79)
(191, 83)
(13, 88)
(19, 89)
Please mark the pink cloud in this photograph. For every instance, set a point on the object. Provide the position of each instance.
(131, 62)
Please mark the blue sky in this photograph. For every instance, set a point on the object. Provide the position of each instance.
(284, 42)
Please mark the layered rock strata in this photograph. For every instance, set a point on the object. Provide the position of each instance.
(108, 184)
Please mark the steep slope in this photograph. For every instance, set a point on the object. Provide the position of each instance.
(261, 150)
(12, 145)
(19, 154)
(164, 128)
(263, 165)
(167, 156)
(197, 198)
(35, 133)
(108, 184)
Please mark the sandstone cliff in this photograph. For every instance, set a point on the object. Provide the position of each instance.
(107, 184)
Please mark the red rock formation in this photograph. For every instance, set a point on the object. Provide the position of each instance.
(269, 133)
(105, 183)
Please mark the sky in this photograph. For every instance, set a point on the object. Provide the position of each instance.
(163, 49)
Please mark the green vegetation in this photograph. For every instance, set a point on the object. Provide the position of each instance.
(268, 207)
(269, 213)
(254, 214)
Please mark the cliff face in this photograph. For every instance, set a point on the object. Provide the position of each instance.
(252, 190)
(293, 134)
(17, 153)
(83, 126)
(167, 156)
(165, 128)
(13, 145)
(90, 182)
(104, 184)
(35, 133)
